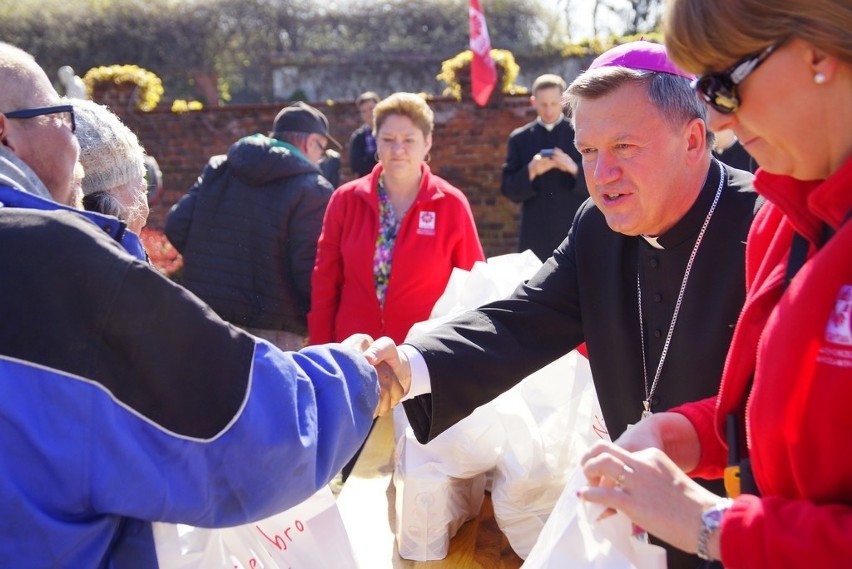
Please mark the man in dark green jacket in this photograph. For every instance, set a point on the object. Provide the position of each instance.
(248, 228)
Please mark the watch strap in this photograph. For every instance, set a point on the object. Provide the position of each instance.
(711, 520)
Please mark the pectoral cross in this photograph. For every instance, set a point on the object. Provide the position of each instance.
(646, 412)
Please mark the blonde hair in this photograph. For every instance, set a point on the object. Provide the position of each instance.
(702, 36)
(548, 81)
(408, 105)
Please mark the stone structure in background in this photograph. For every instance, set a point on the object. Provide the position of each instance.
(72, 83)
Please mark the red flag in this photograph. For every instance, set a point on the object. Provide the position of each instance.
(483, 71)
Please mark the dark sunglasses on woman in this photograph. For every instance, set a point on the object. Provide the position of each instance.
(719, 90)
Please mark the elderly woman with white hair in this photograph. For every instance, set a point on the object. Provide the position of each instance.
(114, 164)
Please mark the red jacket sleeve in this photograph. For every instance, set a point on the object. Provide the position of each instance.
(781, 532)
(714, 453)
(327, 276)
(469, 249)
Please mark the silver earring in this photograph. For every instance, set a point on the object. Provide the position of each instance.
(819, 78)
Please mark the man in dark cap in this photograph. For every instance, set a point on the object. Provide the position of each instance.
(651, 276)
(248, 228)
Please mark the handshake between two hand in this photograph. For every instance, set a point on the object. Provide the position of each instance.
(391, 365)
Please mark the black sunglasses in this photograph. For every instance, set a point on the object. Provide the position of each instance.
(31, 113)
(719, 90)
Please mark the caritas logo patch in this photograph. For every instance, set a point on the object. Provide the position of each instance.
(839, 327)
(426, 223)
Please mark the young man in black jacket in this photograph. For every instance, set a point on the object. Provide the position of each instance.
(542, 171)
(362, 145)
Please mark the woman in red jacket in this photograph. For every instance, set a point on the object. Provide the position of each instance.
(390, 239)
(780, 75)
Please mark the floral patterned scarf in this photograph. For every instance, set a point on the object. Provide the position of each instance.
(388, 231)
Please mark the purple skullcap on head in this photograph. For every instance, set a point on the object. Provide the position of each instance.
(640, 55)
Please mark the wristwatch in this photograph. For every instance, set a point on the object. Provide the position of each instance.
(711, 520)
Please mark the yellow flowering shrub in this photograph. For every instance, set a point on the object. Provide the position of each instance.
(150, 86)
(182, 106)
(507, 72)
(596, 46)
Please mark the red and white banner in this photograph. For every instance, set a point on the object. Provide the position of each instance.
(483, 71)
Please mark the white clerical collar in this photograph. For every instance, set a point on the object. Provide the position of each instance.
(653, 241)
(551, 126)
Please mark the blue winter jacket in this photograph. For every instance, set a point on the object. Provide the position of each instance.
(112, 226)
(126, 400)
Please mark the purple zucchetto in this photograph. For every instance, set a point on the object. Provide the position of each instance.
(640, 55)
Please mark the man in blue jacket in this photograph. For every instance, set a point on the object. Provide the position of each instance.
(126, 400)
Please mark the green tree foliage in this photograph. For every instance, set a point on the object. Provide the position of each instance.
(168, 37)
(643, 16)
(635, 16)
(243, 41)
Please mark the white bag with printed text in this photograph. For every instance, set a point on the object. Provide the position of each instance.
(576, 536)
(310, 535)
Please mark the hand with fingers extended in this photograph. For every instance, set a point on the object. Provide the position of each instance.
(394, 372)
(649, 489)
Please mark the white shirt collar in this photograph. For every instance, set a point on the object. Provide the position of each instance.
(653, 242)
(551, 126)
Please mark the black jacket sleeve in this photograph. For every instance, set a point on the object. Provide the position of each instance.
(360, 161)
(485, 352)
(179, 220)
(516, 184)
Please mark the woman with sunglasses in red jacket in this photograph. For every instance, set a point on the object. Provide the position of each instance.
(779, 74)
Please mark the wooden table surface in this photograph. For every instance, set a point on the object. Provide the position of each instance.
(366, 504)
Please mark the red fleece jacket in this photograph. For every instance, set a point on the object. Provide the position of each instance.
(437, 234)
(797, 344)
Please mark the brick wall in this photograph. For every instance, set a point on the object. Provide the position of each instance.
(468, 149)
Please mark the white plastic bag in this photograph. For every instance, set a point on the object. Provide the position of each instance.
(549, 422)
(485, 282)
(575, 536)
(308, 536)
(533, 435)
(430, 509)
(441, 485)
